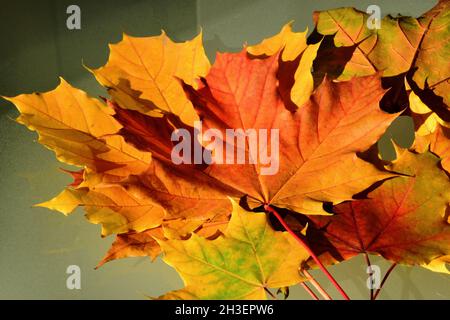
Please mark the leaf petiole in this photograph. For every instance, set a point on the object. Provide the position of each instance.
(369, 264)
(386, 276)
(268, 208)
(308, 289)
(317, 285)
(270, 293)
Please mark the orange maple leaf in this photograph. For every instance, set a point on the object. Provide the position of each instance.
(318, 142)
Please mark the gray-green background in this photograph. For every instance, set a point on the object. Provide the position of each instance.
(37, 245)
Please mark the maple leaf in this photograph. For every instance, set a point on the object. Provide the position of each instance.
(439, 264)
(119, 210)
(301, 57)
(132, 244)
(437, 142)
(317, 142)
(142, 74)
(150, 188)
(143, 243)
(399, 45)
(403, 46)
(80, 130)
(425, 119)
(183, 228)
(190, 191)
(321, 134)
(242, 264)
(292, 43)
(405, 220)
(77, 176)
(83, 132)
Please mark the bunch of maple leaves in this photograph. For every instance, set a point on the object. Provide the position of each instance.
(331, 94)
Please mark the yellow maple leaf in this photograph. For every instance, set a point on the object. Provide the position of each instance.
(242, 264)
(292, 44)
(81, 130)
(144, 73)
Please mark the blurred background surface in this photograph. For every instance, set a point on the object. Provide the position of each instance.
(37, 245)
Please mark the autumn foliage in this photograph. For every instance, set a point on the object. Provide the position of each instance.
(331, 95)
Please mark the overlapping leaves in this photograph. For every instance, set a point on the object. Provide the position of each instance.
(246, 260)
(323, 96)
(405, 220)
(402, 46)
